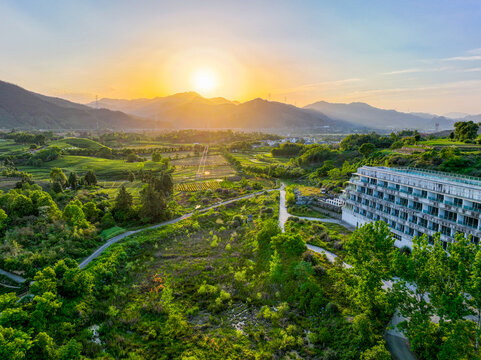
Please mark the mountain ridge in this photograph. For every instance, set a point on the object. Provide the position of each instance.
(360, 113)
(24, 109)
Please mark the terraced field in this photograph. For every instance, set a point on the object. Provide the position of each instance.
(216, 167)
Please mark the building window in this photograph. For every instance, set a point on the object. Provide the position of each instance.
(403, 202)
(471, 222)
(424, 194)
(458, 202)
(445, 230)
(417, 206)
(451, 216)
(423, 222)
(404, 216)
(439, 197)
(475, 239)
(396, 236)
(433, 210)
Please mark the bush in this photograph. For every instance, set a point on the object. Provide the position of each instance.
(332, 308)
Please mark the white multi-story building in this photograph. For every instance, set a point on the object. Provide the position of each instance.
(414, 202)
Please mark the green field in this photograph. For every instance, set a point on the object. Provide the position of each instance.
(260, 157)
(80, 143)
(447, 142)
(10, 147)
(106, 169)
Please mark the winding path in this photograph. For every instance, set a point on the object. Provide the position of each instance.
(117, 238)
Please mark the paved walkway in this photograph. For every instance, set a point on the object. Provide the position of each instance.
(16, 278)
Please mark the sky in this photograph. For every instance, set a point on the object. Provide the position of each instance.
(422, 56)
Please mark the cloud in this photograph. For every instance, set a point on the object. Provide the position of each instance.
(463, 58)
(455, 85)
(475, 51)
(415, 70)
(471, 70)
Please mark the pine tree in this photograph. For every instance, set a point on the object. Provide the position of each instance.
(122, 210)
(73, 180)
(153, 205)
(90, 178)
(131, 176)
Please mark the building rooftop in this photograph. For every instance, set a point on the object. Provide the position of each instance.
(432, 175)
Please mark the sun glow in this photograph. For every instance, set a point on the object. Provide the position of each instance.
(205, 81)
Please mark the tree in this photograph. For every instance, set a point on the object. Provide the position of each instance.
(91, 211)
(57, 175)
(73, 180)
(20, 206)
(43, 348)
(14, 344)
(156, 156)
(70, 351)
(370, 251)
(474, 289)
(465, 130)
(367, 149)
(163, 183)
(442, 279)
(290, 245)
(132, 157)
(131, 176)
(57, 187)
(74, 214)
(123, 205)
(377, 352)
(3, 219)
(153, 206)
(90, 178)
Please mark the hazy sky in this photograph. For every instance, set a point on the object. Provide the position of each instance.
(407, 55)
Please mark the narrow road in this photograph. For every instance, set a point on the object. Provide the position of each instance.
(117, 238)
(13, 277)
(284, 214)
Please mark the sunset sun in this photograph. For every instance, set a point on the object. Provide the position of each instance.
(204, 81)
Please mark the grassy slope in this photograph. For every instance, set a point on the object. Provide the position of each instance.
(104, 168)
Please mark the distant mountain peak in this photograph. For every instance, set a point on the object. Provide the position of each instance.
(366, 115)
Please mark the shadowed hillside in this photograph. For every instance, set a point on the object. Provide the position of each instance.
(22, 109)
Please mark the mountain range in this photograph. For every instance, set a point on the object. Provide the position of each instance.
(380, 119)
(190, 110)
(23, 109)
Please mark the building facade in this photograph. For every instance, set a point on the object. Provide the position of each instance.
(414, 202)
